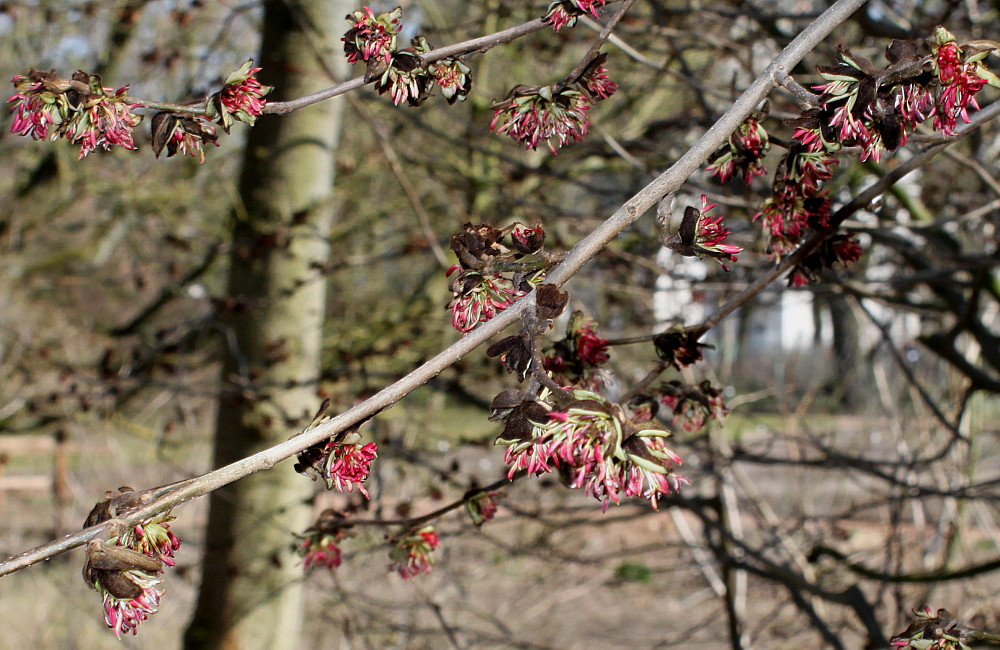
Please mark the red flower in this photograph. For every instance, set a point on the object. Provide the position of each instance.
(482, 507)
(576, 358)
(241, 98)
(350, 465)
(372, 36)
(564, 13)
(478, 298)
(454, 78)
(318, 544)
(413, 554)
(595, 81)
(743, 153)
(344, 465)
(124, 570)
(535, 115)
(960, 81)
(587, 443)
(123, 615)
(82, 110)
(710, 235)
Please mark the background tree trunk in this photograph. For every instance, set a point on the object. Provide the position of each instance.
(847, 385)
(250, 593)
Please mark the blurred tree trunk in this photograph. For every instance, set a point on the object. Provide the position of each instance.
(251, 589)
(847, 352)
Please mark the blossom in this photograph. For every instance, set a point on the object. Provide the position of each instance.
(692, 406)
(453, 77)
(341, 464)
(960, 80)
(372, 36)
(710, 235)
(841, 248)
(535, 115)
(35, 110)
(241, 98)
(701, 235)
(404, 79)
(413, 553)
(649, 473)
(81, 110)
(318, 544)
(595, 82)
(154, 538)
(482, 506)
(124, 614)
(678, 347)
(527, 240)
(564, 13)
(589, 441)
(798, 203)
(742, 153)
(124, 570)
(575, 358)
(862, 106)
(320, 551)
(478, 298)
(181, 135)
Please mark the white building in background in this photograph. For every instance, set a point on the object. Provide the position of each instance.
(781, 319)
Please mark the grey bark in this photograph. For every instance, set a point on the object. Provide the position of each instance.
(251, 589)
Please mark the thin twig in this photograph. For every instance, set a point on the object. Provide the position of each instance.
(391, 157)
(481, 44)
(596, 45)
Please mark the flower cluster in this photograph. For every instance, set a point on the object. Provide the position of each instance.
(576, 358)
(453, 77)
(401, 72)
(413, 553)
(742, 153)
(480, 289)
(564, 13)
(961, 75)
(181, 135)
(678, 347)
(594, 80)
(241, 98)
(405, 79)
(701, 235)
(478, 298)
(124, 569)
(130, 598)
(80, 110)
(532, 116)
(709, 235)
(343, 465)
(370, 36)
(692, 406)
(798, 202)
(341, 461)
(940, 631)
(842, 248)
(482, 506)
(592, 445)
(318, 545)
(875, 108)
